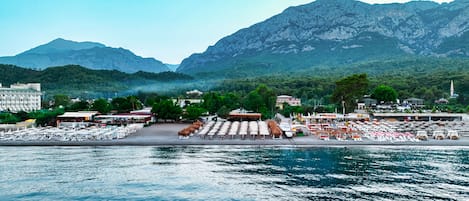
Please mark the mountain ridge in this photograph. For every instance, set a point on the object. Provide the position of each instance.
(340, 32)
(93, 55)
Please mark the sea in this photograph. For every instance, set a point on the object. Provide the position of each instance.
(234, 173)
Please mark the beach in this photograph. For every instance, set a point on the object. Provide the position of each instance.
(166, 135)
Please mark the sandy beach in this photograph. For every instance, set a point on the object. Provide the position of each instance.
(166, 135)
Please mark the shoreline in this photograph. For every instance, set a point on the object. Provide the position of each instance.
(166, 135)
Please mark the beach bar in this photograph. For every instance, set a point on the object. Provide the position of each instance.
(241, 115)
(82, 118)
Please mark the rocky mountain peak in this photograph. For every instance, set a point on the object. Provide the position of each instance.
(338, 31)
(60, 45)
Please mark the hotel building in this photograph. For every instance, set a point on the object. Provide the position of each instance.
(20, 97)
(287, 99)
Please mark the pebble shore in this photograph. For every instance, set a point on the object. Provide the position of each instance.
(166, 135)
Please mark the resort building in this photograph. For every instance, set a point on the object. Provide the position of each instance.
(123, 119)
(20, 97)
(74, 119)
(244, 115)
(414, 103)
(183, 102)
(290, 100)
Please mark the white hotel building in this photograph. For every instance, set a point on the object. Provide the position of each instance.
(20, 97)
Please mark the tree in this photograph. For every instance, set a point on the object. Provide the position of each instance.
(166, 109)
(349, 89)
(121, 104)
(262, 100)
(101, 105)
(22, 115)
(134, 102)
(253, 101)
(8, 118)
(126, 104)
(384, 93)
(46, 117)
(193, 112)
(231, 100)
(212, 102)
(61, 100)
(288, 109)
(80, 105)
(223, 112)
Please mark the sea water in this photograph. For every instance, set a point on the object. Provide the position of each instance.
(234, 173)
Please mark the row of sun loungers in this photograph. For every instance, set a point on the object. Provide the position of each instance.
(70, 134)
(408, 131)
(233, 129)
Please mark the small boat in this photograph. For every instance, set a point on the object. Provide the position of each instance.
(421, 135)
(439, 135)
(453, 135)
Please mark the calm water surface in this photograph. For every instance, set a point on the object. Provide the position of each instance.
(234, 173)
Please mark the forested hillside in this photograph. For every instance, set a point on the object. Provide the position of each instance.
(77, 80)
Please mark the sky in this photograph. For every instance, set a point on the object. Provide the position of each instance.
(167, 30)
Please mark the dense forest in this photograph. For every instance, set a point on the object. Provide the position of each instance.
(427, 78)
(80, 81)
(422, 78)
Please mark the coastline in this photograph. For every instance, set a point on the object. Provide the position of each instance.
(166, 135)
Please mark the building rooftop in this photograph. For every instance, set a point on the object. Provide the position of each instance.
(81, 114)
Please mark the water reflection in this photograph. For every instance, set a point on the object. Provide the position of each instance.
(234, 173)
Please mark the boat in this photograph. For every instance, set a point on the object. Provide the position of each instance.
(439, 135)
(453, 135)
(422, 135)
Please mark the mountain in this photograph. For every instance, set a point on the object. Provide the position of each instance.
(93, 55)
(172, 67)
(338, 33)
(76, 80)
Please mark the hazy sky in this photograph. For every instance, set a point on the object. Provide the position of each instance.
(168, 30)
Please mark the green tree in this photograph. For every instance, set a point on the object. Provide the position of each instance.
(101, 105)
(135, 102)
(288, 109)
(166, 109)
(262, 100)
(121, 104)
(231, 100)
(193, 112)
(8, 118)
(212, 102)
(79, 106)
(61, 100)
(253, 101)
(46, 117)
(384, 93)
(350, 89)
(22, 115)
(223, 112)
(126, 104)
